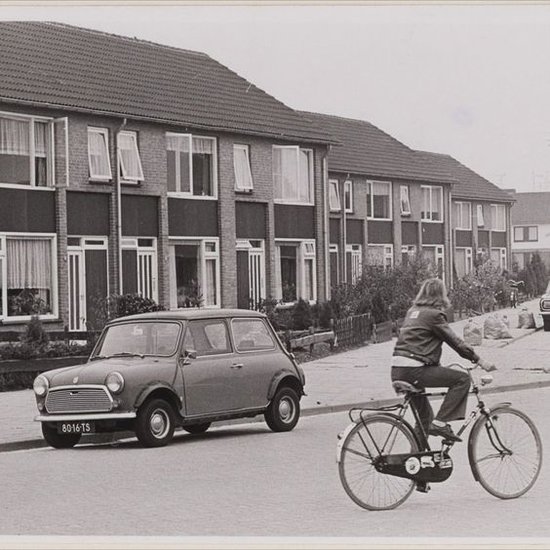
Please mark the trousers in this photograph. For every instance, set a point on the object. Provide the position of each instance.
(454, 403)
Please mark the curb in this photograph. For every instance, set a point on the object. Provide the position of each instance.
(323, 409)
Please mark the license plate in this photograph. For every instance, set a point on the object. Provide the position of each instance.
(75, 427)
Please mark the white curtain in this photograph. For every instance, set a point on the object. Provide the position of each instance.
(40, 139)
(99, 155)
(129, 157)
(14, 137)
(178, 143)
(305, 175)
(29, 263)
(243, 177)
(210, 282)
(289, 173)
(203, 146)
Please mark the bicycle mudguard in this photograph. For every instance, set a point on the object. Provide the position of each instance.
(431, 466)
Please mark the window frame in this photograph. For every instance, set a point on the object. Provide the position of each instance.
(404, 199)
(387, 253)
(502, 256)
(370, 198)
(299, 150)
(480, 216)
(356, 269)
(50, 153)
(132, 243)
(120, 163)
(459, 221)
(105, 133)
(348, 194)
(495, 208)
(238, 320)
(429, 217)
(334, 184)
(468, 259)
(246, 149)
(525, 229)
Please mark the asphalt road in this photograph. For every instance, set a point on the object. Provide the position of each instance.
(247, 481)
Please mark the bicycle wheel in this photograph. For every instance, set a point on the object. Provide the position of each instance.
(375, 436)
(505, 452)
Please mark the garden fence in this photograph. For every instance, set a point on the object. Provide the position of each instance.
(354, 330)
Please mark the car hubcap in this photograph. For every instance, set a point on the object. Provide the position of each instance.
(160, 423)
(286, 410)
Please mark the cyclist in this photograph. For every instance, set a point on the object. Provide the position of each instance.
(417, 354)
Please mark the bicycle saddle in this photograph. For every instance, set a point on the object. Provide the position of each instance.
(400, 386)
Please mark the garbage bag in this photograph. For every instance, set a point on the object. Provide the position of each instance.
(494, 328)
(472, 333)
(526, 319)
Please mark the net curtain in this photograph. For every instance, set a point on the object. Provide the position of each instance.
(29, 265)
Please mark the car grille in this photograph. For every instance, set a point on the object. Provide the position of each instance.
(78, 399)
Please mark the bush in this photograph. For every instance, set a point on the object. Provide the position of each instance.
(35, 333)
(121, 305)
(302, 318)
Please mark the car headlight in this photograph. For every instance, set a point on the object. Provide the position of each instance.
(40, 385)
(115, 382)
(545, 303)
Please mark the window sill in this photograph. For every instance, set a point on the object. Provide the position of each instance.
(291, 203)
(130, 183)
(95, 181)
(178, 195)
(244, 191)
(432, 221)
(24, 319)
(379, 219)
(26, 186)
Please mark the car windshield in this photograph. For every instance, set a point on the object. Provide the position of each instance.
(139, 339)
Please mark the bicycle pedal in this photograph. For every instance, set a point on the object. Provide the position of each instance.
(423, 487)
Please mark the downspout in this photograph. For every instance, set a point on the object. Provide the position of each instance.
(345, 230)
(326, 223)
(450, 233)
(119, 209)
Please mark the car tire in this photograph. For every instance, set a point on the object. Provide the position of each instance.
(546, 321)
(283, 412)
(155, 423)
(56, 440)
(196, 429)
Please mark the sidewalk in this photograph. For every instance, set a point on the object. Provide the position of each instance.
(352, 378)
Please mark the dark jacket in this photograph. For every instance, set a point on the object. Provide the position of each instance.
(422, 335)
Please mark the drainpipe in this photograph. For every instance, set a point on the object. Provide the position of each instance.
(119, 208)
(345, 230)
(326, 222)
(450, 233)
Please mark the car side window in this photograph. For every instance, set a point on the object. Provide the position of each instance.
(207, 337)
(251, 335)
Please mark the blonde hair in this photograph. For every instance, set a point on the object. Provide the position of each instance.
(432, 293)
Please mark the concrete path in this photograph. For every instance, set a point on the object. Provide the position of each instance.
(346, 379)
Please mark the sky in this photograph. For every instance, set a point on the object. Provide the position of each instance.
(472, 81)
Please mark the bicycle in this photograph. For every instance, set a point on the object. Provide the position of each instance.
(381, 458)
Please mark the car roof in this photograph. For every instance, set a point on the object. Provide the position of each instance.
(190, 313)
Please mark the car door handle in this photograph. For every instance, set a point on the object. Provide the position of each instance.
(237, 366)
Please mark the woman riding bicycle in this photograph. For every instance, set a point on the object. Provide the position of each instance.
(417, 354)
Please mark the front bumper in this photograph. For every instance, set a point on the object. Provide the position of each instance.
(84, 417)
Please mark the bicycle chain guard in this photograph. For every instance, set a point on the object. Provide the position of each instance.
(429, 466)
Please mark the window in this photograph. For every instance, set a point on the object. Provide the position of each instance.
(129, 163)
(498, 257)
(99, 162)
(480, 218)
(293, 174)
(27, 276)
(348, 195)
(207, 337)
(463, 261)
(191, 162)
(408, 252)
(241, 165)
(404, 201)
(296, 273)
(432, 203)
(194, 273)
(463, 215)
(379, 200)
(526, 233)
(434, 256)
(334, 265)
(354, 262)
(26, 151)
(251, 335)
(498, 217)
(334, 195)
(139, 267)
(380, 254)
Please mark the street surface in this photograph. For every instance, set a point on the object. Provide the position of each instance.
(247, 481)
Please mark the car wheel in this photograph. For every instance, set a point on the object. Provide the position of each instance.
(197, 428)
(56, 440)
(546, 324)
(155, 423)
(283, 411)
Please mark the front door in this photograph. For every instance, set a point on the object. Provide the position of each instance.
(77, 286)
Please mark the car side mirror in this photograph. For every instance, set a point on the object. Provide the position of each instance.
(187, 356)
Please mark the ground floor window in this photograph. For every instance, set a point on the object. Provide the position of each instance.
(380, 254)
(139, 267)
(354, 262)
(436, 259)
(498, 257)
(408, 252)
(194, 273)
(27, 276)
(295, 270)
(463, 261)
(334, 265)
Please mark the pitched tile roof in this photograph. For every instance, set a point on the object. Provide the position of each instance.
(470, 184)
(367, 150)
(73, 68)
(531, 208)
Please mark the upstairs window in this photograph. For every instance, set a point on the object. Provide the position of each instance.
(241, 165)
(334, 196)
(98, 154)
(498, 217)
(432, 203)
(379, 200)
(348, 195)
(404, 200)
(526, 233)
(480, 218)
(25, 151)
(293, 174)
(191, 162)
(463, 215)
(129, 162)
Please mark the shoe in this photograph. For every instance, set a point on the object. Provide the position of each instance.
(422, 486)
(444, 431)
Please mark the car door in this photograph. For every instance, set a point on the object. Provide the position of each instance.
(210, 379)
(260, 356)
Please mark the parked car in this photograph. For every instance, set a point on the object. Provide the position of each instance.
(153, 372)
(544, 305)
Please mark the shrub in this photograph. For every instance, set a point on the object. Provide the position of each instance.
(121, 305)
(35, 333)
(302, 318)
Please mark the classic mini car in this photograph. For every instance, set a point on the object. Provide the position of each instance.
(545, 308)
(153, 372)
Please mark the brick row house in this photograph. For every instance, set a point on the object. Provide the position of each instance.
(131, 167)
(387, 203)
